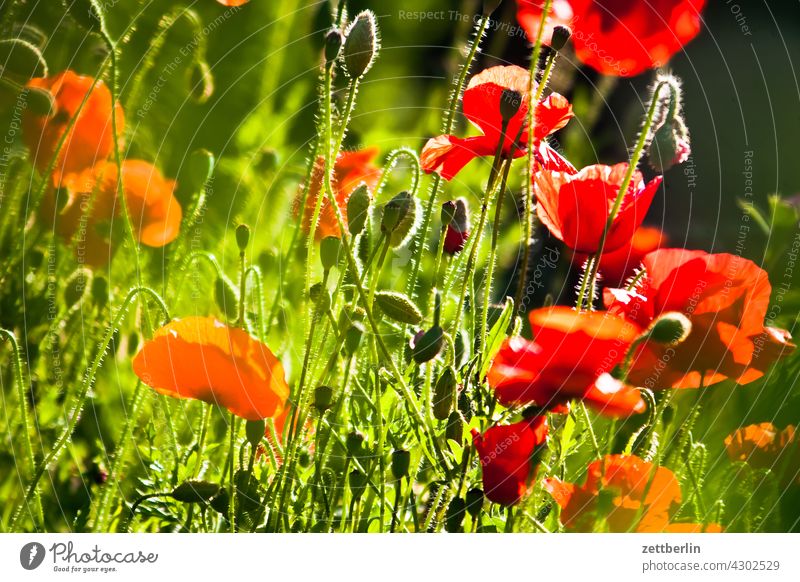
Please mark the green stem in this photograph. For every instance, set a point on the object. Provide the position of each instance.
(231, 475)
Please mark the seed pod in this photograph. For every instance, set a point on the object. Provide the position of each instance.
(670, 329)
(329, 252)
(323, 398)
(361, 44)
(474, 501)
(429, 345)
(354, 443)
(401, 462)
(358, 209)
(399, 307)
(226, 298)
(444, 394)
(455, 427)
(561, 35)
(454, 516)
(201, 82)
(333, 44)
(399, 216)
(22, 59)
(195, 491)
(242, 237)
(352, 339)
(510, 102)
(358, 483)
(254, 431)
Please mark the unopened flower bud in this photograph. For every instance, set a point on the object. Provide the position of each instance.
(352, 338)
(254, 431)
(242, 237)
(457, 233)
(333, 44)
(399, 215)
(448, 213)
(670, 329)
(21, 59)
(361, 44)
(561, 35)
(226, 298)
(444, 394)
(428, 345)
(323, 398)
(474, 501)
(320, 296)
(195, 491)
(398, 307)
(455, 427)
(198, 170)
(358, 209)
(401, 462)
(510, 102)
(133, 343)
(668, 148)
(358, 483)
(100, 291)
(329, 249)
(454, 516)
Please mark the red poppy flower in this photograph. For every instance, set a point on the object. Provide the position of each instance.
(233, 3)
(448, 154)
(571, 357)
(576, 206)
(86, 219)
(627, 492)
(726, 299)
(508, 458)
(529, 16)
(619, 265)
(763, 446)
(349, 171)
(90, 140)
(204, 359)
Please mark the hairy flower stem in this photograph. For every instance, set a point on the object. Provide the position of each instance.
(455, 98)
(473, 253)
(19, 381)
(586, 297)
(231, 475)
(88, 379)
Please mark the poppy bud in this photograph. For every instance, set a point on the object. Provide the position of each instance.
(40, 101)
(474, 501)
(100, 291)
(457, 232)
(561, 35)
(220, 501)
(354, 443)
(444, 394)
(133, 343)
(254, 431)
(320, 296)
(489, 6)
(454, 516)
(76, 286)
(394, 212)
(667, 148)
(358, 483)
(242, 237)
(360, 45)
(448, 213)
(198, 170)
(22, 59)
(510, 102)
(428, 345)
(333, 44)
(398, 307)
(461, 346)
(323, 397)
(455, 427)
(358, 209)
(201, 82)
(329, 249)
(352, 338)
(670, 329)
(225, 296)
(84, 12)
(401, 462)
(195, 491)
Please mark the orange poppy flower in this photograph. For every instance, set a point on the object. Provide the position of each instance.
(204, 359)
(508, 458)
(575, 205)
(726, 299)
(629, 493)
(349, 171)
(448, 154)
(763, 446)
(619, 265)
(89, 141)
(570, 357)
(86, 218)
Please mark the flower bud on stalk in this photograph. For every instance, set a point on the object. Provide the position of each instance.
(352, 338)
(358, 483)
(242, 237)
(399, 215)
(358, 209)
(323, 398)
(194, 491)
(428, 346)
(444, 394)
(398, 307)
(75, 287)
(22, 59)
(474, 501)
(354, 443)
(226, 298)
(670, 329)
(669, 143)
(254, 431)
(510, 102)
(561, 35)
(333, 44)
(401, 462)
(329, 249)
(100, 291)
(457, 232)
(454, 516)
(455, 427)
(361, 44)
